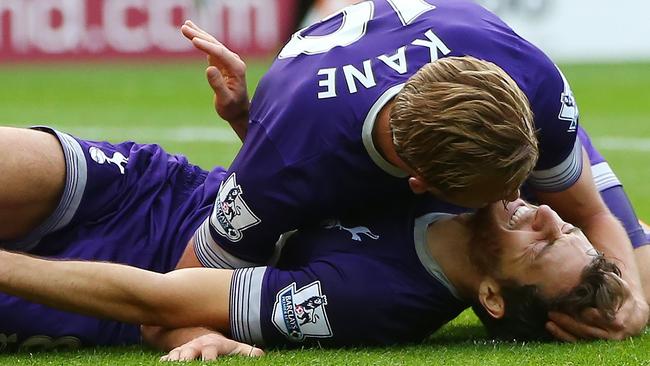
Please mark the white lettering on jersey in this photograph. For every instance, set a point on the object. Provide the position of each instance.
(434, 43)
(366, 78)
(301, 313)
(397, 62)
(409, 10)
(329, 83)
(231, 214)
(100, 158)
(568, 106)
(352, 29)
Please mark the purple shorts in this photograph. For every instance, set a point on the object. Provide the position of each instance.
(125, 203)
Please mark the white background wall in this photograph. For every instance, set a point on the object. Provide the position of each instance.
(581, 30)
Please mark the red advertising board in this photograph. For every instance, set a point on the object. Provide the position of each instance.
(73, 29)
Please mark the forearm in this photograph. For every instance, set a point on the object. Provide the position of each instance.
(189, 297)
(90, 288)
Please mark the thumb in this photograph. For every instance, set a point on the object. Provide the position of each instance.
(215, 79)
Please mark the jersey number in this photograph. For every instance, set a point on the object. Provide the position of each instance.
(354, 21)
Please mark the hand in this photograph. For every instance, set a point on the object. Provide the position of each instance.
(226, 74)
(630, 320)
(209, 347)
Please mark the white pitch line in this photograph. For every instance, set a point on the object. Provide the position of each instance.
(633, 144)
(221, 134)
(154, 134)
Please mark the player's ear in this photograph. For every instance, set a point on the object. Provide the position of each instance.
(419, 186)
(489, 295)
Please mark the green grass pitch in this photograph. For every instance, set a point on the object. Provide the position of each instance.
(171, 104)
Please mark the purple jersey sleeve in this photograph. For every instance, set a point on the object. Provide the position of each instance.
(556, 119)
(272, 306)
(345, 285)
(620, 206)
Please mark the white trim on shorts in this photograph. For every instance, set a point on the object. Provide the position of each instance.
(76, 177)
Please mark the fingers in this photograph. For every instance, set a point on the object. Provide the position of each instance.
(210, 348)
(208, 44)
(209, 353)
(566, 325)
(200, 32)
(244, 349)
(559, 334)
(220, 56)
(184, 353)
(217, 83)
(191, 33)
(592, 316)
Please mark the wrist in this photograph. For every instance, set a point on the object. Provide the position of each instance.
(239, 121)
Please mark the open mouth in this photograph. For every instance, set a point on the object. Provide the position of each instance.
(516, 210)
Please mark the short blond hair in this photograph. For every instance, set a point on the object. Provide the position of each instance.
(459, 119)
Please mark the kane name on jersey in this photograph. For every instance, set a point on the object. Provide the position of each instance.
(353, 26)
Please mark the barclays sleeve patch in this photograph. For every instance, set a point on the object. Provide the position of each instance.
(301, 313)
(568, 106)
(231, 215)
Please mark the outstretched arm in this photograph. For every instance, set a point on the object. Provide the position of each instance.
(226, 75)
(187, 297)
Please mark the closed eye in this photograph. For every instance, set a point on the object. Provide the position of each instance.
(549, 244)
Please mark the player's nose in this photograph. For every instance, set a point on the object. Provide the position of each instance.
(548, 222)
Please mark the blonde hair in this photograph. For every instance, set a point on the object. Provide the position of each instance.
(459, 119)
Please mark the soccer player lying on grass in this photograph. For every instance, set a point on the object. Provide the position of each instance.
(381, 100)
(411, 267)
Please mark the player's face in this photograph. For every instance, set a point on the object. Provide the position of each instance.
(535, 246)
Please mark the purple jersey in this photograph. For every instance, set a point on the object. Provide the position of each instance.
(309, 152)
(369, 281)
(125, 203)
(137, 205)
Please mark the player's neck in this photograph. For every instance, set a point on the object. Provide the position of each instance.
(448, 242)
(382, 138)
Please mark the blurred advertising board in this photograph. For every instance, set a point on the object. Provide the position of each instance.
(73, 29)
(581, 30)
